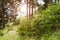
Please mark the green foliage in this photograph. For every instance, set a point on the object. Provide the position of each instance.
(51, 15)
(44, 26)
(1, 33)
(47, 22)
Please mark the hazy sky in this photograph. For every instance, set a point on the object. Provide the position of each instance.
(22, 8)
(41, 2)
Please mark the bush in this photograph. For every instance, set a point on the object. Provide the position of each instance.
(1, 33)
(46, 22)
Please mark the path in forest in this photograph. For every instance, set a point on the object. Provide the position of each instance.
(11, 35)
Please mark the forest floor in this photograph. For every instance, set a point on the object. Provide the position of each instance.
(11, 35)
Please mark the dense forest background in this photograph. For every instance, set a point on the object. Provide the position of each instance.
(29, 19)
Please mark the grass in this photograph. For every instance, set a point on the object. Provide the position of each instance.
(13, 35)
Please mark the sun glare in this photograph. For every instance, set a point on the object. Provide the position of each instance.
(21, 10)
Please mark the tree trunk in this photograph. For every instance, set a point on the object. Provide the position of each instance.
(3, 12)
(32, 8)
(58, 1)
(50, 1)
(55, 1)
(27, 9)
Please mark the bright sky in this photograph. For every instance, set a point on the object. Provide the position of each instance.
(21, 11)
(22, 8)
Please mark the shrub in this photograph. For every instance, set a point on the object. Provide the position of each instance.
(1, 33)
(46, 22)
